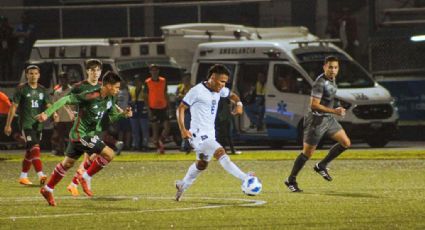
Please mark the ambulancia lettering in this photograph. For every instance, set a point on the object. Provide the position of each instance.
(247, 50)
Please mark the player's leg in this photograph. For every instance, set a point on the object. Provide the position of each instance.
(34, 144)
(56, 176)
(192, 173)
(84, 165)
(102, 160)
(302, 158)
(313, 132)
(26, 162)
(225, 162)
(337, 133)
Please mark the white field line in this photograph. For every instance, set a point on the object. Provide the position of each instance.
(248, 202)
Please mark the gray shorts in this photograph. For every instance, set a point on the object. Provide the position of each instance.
(317, 126)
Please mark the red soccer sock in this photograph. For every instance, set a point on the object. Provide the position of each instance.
(26, 162)
(75, 179)
(56, 176)
(97, 165)
(36, 161)
(87, 164)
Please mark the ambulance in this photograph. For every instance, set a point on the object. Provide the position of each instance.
(125, 56)
(291, 59)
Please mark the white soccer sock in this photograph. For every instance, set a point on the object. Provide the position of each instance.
(191, 175)
(23, 175)
(48, 188)
(40, 174)
(231, 168)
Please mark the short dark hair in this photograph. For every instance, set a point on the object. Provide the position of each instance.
(93, 63)
(111, 78)
(30, 67)
(331, 59)
(218, 69)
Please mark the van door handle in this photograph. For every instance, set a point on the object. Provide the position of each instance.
(271, 95)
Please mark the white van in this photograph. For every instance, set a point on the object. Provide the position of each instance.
(291, 65)
(125, 56)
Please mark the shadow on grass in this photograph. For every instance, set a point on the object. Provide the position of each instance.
(350, 194)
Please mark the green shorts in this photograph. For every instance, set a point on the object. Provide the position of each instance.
(32, 137)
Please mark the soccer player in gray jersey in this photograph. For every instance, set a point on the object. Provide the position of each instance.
(320, 121)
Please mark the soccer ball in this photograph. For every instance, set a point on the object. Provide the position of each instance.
(251, 186)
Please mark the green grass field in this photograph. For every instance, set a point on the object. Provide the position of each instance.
(372, 189)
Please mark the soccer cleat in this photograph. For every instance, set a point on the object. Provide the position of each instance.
(48, 196)
(73, 189)
(180, 190)
(293, 186)
(119, 146)
(42, 180)
(323, 172)
(25, 181)
(86, 184)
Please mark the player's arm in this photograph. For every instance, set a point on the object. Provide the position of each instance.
(180, 120)
(116, 113)
(10, 115)
(70, 99)
(316, 106)
(236, 100)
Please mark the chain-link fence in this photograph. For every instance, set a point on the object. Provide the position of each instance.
(396, 56)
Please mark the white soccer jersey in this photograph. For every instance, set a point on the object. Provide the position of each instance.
(203, 104)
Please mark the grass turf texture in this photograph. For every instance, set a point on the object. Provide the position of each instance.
(373, 189)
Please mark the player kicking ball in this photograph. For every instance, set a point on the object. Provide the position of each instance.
(84, 133)
(320, 121)
(203, 100)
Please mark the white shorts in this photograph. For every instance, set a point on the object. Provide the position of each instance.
(204, 146)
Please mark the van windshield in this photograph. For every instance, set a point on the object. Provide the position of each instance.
(350, 75)
(167, 69)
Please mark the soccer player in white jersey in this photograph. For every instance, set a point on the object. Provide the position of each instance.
(202, 100)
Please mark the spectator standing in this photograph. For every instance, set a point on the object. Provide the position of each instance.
(139, 120)
(181, 91)
(224, 125)
(66, 116)
(156, 97)
(123, 126)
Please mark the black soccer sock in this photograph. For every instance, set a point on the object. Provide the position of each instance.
(334, 152)
(298, 165)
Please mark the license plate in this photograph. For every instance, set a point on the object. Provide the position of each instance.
(376, 125)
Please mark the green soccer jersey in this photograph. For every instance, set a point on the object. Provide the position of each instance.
(82, 86)
(92, 107)
(30, 103)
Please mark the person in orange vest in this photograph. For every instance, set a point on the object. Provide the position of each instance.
(155, 93)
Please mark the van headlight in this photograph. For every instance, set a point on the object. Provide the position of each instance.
(344, 104)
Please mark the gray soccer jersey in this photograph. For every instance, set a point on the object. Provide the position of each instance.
(325, 90)
(317, 123)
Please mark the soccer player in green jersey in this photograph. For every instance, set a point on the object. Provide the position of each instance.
(93, 70)
(84, 133)
(30, 99)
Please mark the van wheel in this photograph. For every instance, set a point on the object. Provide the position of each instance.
(377, 141)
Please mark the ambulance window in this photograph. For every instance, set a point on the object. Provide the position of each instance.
(247, 78)
(74, 71)
(288, 80)
(46, 74)
(203, 68)
(105, 68)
